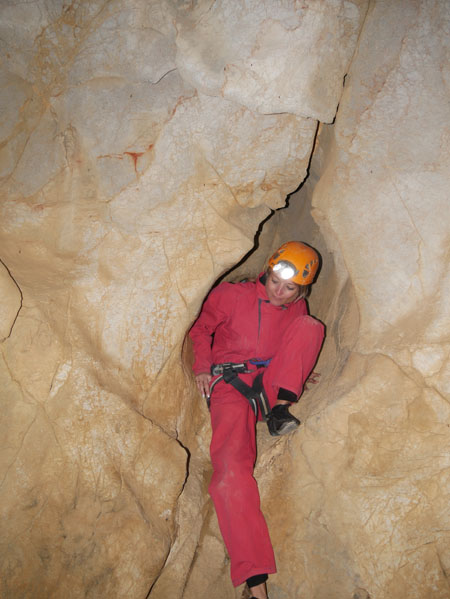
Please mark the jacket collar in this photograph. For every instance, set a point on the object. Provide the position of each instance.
(261, 287)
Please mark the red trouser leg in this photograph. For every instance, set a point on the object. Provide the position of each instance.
(295, 359)
(234, 490)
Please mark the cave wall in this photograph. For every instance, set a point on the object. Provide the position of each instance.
(141, 145)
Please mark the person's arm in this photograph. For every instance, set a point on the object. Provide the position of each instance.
(213, 313)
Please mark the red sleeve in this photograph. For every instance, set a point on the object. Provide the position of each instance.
(215, 311)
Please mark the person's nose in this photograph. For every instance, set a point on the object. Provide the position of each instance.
(279, 291)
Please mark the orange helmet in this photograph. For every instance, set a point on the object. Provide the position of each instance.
(296, 261)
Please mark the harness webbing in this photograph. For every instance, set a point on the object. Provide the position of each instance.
(255, 394)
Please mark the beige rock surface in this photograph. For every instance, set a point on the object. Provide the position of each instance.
(141, 144)
(258, 54)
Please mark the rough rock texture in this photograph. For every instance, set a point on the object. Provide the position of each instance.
(258, 54)
(141, 144)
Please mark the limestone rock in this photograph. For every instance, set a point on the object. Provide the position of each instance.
(404, 194)
(259, 54)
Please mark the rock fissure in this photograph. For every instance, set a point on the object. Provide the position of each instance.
(11, 304)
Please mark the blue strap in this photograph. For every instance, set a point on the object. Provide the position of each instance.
(260, 363)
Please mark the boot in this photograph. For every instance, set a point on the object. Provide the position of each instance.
(280, 421)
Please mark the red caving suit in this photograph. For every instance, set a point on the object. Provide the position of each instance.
(246, 325)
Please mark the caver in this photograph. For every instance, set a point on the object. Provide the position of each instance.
(255, 345)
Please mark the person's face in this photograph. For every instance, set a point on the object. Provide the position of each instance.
(280, 291)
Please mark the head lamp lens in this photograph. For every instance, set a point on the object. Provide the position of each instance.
(285, 269)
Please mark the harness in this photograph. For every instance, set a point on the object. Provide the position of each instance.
(256, 395)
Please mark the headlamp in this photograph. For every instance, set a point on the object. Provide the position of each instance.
(285, 270)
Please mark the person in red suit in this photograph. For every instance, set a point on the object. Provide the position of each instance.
(255, 345)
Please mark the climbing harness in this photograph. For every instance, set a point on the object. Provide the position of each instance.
(256, 395)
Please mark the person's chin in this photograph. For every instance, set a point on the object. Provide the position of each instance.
(276, 302)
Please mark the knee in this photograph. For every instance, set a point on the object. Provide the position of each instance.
(307, 325)
(226, 481)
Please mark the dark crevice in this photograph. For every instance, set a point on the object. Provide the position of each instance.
(250, 252)
(161, 570)
(188, 460)
(269, 217)
(21, 301)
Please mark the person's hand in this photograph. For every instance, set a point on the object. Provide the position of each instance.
(203, 379)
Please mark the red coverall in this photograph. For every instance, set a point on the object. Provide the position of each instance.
(246, 325)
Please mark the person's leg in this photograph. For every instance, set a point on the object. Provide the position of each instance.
(234, 490)
(257, 586)
(286, 374)
(259, 592)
